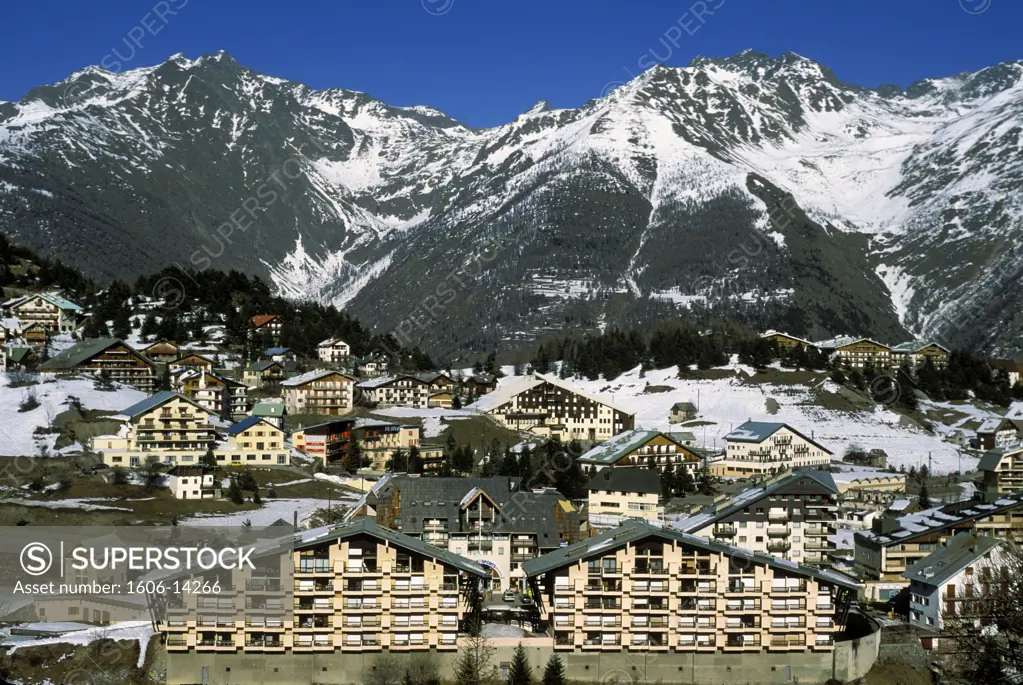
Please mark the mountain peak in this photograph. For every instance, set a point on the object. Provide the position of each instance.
(540, 107)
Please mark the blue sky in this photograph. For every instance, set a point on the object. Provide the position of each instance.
(485, 61)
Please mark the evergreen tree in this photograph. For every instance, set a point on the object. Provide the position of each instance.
(925, 497)
(352, 460)
(209, 460)
(684, 481)
(400, 461)
(234, 492)
(520, 673)
(256, 499)
(464, 459)
(554, 671)
(415, 460)
(704, 481)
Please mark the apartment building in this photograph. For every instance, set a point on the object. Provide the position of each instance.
(219, 394)
(166, 427)
(1003, 470)
(269, 323)
(192, 482)
(354, 587)
(614, 494)
(322, 391)
(789, 517)
(325, 441)
(35, 334)
(643, 587)
(55, 313)
(190, 361)
(997, 432)
(492, 521)
(378, 440)
(549, 407)
(639, 447)
(942, 583)
(916, 353)
(333, 351)
(162, 351)
(876, 488)
(263, 373)
(253, 441)
(857, 353)
(374, 364)
(396, 391)
(757, 448)
(882, 554)
(104, 357)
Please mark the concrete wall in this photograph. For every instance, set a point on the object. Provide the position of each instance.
(850, 660)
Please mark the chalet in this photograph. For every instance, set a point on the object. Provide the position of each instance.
(55, 313)
(263, 373)
(192, 482)
(1008, 368)
(192, 361)
(996, 432)
(35, 334)
(279, 354)
(944, 583)
(272, 412)
(857, 353)
(784, 340)
(270, 323)
(624, 493)
(1002, 469)
(396, 391)
(438, 380)
(443, 398)
(333, 351)
(327, 441)
(219, 394)
(641, 447)
(322, 391)
(106, 357)
(758, 448)
(682, 411)
(161, 351)
(478, 385)
(21, 356)
(549, 407)
(374, 364)
(917, 353)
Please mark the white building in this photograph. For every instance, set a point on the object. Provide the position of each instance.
(333, 350)
(397, 391)
(630, 492)
(549, 407)
(941, 582)
(191, 482)
(322, 391)
(758, 447)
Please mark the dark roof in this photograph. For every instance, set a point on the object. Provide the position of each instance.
(992, 458)
(941, 565)
(365, 526)
(263, 365)
(636, 479)
(634, 531)
(441, 498)
(153, 401)
(187, 470)
(758, 431)
(82, 352)
(686, 406)
(248, 422)
(270, 351)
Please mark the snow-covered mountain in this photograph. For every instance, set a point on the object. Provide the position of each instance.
(751, 188)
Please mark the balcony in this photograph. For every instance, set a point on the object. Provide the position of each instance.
(306, 588)
(751, 624)
(789, 588)
(778, 517)
(645, 569)
(788, 643)
(724, 531)
(779, 546)
(692, 587)
(741, 588)
(733, 644)
(817, 531)
(786, 627)
(778, 532)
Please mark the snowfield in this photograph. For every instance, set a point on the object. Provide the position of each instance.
(728, 402)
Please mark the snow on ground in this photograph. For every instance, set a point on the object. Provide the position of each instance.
(728, 402)
(16, 427)
(501, 630)
(141, 631)
(84, 504)
(433, 418)
(271, 511)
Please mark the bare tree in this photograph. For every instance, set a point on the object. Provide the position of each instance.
(475, 662)
(387, 670)
(986, 632)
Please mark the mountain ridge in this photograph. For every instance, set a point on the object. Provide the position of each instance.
(899, 218)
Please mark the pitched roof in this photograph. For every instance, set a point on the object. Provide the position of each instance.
(683, 406)
(52, 298)
(248, 422)
(314, 375)
(260, 320)
(331, 342)
(769, 333)
(725, 507)
(635, 531)
(621, 445)
(364, 526)
(262, 365)
(994, 424)
(944, 563)
(271, 409)
(16, 354)
(916, 346)
(1007, 365)
(270, 351)
(157, 400)
(628, 479)
(503, 395)
(992, 458)
(83, 351)
(758, 431)
(387, 380)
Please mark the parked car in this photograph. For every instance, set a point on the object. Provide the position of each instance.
(509, 595)
(527, 600)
